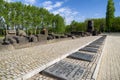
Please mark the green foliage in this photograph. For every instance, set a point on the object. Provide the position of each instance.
(59, 24)
(116, 25)
(98, 22)
(77, 26)
(67, 29)
(29, 18)
(110, 15)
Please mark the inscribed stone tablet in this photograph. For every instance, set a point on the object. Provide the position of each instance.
(94, 46)
(88, 49)
(82, 56)
(65, 71)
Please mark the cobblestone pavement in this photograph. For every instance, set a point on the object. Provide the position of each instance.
(17, 63)
(110, 64)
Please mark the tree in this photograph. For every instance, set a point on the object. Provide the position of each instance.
(59, 24)
(110, 15)
(28, 17)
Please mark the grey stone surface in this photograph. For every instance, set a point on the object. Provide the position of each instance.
(89, 49)
(65, 71)
(93, 45)
(82, 56)
(98, 43)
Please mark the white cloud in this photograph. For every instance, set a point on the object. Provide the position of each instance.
(58, 4)
(8, 0)
(49, 5)
(29, 1)
(69, 14)
(66, 12)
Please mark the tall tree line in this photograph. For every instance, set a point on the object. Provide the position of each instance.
(29, 18)
(98, 23)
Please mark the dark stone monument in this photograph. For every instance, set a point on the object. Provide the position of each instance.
(89, 49)
(65, 71)
(90, 27)
(94, 33)
(82, 56)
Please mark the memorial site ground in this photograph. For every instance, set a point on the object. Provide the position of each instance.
(30, 63)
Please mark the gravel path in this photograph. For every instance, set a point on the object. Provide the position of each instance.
(24, 63)
(110, 64)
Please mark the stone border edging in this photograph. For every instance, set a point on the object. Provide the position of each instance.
(33, 72)
(95, 74)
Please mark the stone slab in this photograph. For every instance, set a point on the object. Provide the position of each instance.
(93, 46)
(82, 56)
(97, 43)
(89, 49)
(65, 71)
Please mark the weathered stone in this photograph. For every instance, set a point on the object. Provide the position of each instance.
(73, 37)
(41, 37)
(65, 70)
(22, 39)
(11, 32)
(11, 40)
(33, 38)
(21, 33)
(82, 56)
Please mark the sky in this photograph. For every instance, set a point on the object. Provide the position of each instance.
(78, 10)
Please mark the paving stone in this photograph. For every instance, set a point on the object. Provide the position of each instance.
(82, 56)
(65, 71)
(89, 49)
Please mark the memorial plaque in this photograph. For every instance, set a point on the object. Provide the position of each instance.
(65, 71)
(93, 46)
(98, 42)
(89, 49)
(82, 56)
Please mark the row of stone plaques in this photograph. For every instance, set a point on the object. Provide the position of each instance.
(93, 47)
(63, 70)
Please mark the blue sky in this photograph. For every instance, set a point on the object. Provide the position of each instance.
(78, 10)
